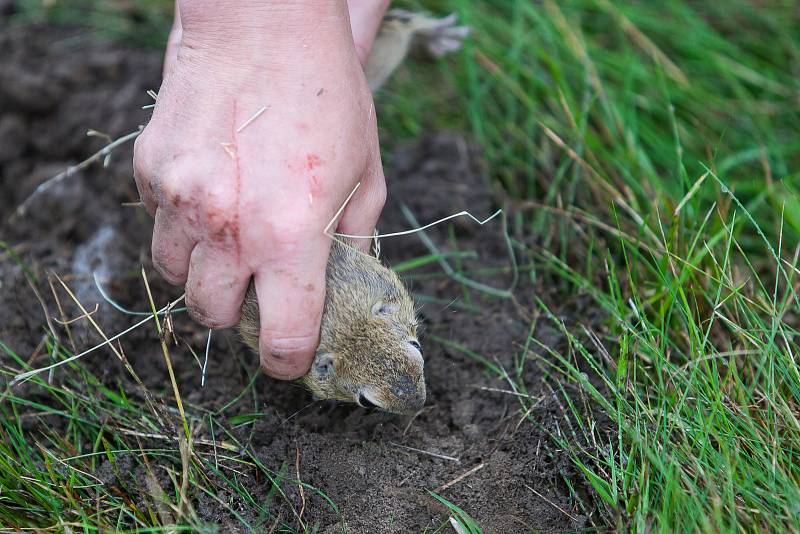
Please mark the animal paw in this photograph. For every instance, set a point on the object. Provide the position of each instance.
(404, 30)
(437, 36)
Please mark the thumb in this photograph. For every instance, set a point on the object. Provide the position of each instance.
(362, 212)
(365, 19)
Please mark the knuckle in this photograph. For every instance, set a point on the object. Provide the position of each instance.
(165, 261)
(160, 253)
(167, 274)
(213, 300)
(159, 179)
(288, 238)
(218, 199)
(197, 312)
(378, 198)
(218, 208)
(143, 157)
(170, 189)
(281, 344)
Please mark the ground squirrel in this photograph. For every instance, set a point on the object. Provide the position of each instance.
(369, 352)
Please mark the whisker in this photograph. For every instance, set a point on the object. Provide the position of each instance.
(301, 410)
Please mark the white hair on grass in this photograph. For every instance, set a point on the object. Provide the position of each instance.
(22, 377)
(463, 213)
(502, 293)
(152, 94)
(148, 316)
(376, 235)
(102, 153)
(163, 311)
(102, 135)
(457, 276)
(205, 361)
(126, 311)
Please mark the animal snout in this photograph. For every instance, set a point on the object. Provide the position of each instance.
(410, 394)
(401, 396)
(415, 403)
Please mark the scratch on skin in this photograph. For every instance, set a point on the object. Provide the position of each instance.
(238, 175)
(314, 186)
(313, 161)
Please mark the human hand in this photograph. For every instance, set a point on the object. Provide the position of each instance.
(233, 200)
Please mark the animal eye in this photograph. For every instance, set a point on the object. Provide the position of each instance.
(323, 365)
(364, 402)
(383, 308)
(414, 343)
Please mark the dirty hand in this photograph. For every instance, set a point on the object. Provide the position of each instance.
(234, 198)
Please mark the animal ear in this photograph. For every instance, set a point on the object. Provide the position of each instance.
(323, 365)
(382, 308)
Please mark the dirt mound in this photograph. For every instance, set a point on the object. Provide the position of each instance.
(55, 84)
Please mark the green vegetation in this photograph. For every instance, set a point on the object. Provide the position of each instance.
(137, 22)
(652, 153)
(46, 480)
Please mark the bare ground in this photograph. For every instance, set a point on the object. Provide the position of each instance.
(54, 85)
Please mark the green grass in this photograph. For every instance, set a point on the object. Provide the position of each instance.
(153, 466)
(460, 519)
(50, 479)
(652, 153)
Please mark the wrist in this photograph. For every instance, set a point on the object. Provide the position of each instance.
(247, 30)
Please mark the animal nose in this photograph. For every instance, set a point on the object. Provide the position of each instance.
(415, 403)
(411, 394)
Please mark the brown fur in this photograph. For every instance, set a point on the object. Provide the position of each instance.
(368, 324)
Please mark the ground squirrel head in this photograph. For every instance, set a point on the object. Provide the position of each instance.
(369, 352)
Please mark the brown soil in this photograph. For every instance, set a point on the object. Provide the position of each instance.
(57, 83)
